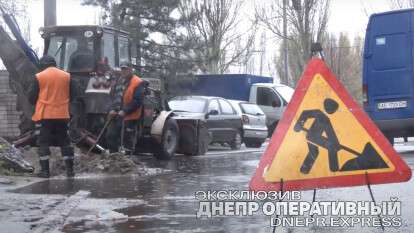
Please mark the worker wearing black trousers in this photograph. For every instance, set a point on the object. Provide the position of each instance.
(51, 92)
(125, 110)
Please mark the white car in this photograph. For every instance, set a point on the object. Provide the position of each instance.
(254, 123)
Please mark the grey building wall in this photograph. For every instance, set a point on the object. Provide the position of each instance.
(9, 116)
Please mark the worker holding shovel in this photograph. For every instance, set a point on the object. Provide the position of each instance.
(322, 134)
(321, 125)
(125, 110)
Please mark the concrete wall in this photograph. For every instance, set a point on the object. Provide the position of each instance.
(9, 116)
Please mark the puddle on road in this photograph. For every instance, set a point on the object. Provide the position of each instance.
(170, 205)
(169, 198)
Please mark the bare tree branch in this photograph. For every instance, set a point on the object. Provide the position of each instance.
(401, 4)
(212, 25)
(307, 22)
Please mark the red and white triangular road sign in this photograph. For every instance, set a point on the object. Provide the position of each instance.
(325, 139)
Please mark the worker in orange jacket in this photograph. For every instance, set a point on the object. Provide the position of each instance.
(127, 100)
(51, 92)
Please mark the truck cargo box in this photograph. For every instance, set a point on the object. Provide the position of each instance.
(229, 86)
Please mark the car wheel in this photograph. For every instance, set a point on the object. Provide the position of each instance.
(236, 143)
(169, 141)
(253, 143)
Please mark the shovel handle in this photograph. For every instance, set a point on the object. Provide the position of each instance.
(352, 151)
(100, 134)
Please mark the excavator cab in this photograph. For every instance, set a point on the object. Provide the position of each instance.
(92, 54)
(81, 49)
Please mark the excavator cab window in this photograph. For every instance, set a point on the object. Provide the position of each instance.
(87, 50)
(115, 49)
(123, 49)
(73, 53)
(108, 49)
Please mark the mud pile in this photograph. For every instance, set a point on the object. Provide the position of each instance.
(12, 160)
(116, 163)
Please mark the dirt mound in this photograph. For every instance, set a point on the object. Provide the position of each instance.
(12, 160)
(115, 163)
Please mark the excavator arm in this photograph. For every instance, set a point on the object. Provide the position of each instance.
(21, 70)
(21, 62)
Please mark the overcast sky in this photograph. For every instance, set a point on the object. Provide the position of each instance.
(350, 16)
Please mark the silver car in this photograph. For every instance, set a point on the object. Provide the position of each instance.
(254, 123)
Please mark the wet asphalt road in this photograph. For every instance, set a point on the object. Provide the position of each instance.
(166, 202)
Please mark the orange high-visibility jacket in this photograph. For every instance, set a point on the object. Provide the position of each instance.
(54, 95)
(129, 96)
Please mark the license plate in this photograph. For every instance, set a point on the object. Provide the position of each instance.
(392, 105)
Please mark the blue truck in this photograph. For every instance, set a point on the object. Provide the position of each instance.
(388, 74)
(271, 98)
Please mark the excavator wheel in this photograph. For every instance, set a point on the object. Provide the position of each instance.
(169, 141)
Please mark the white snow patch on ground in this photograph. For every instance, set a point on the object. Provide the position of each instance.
(155, 171)
(251, 163)
(91, 209)
(234, 178)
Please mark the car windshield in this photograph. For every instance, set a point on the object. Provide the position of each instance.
(286, 92)
(187, 104)
(72, 53)
(251, 109)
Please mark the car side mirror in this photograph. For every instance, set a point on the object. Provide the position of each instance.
(275, 104)
(212, 113)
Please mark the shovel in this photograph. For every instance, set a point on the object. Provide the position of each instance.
(122, 148)
(108, 121)
(367, 159)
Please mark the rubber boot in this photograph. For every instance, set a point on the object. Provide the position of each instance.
(44, 172)
(69, 168)
(68, 156)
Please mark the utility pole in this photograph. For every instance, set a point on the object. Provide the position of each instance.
(285, 44)
(263, 51)
(49, 7)
(138, 45)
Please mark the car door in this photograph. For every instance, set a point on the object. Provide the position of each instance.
(271, 104)
(230, 119)
(214, 123)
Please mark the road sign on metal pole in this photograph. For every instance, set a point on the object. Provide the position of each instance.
(49, 12)
(325, 139)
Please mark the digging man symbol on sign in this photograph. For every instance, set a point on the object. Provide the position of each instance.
(315, 137)
(368, 159)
